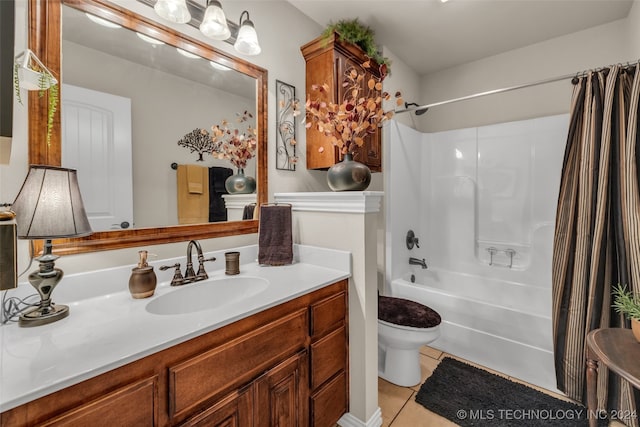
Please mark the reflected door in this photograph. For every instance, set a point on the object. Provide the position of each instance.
(96, 140)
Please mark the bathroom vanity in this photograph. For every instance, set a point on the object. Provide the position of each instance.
(278, 357)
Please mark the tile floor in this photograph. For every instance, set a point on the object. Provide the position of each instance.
(399, 408)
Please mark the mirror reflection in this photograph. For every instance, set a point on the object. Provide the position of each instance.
(135, 117)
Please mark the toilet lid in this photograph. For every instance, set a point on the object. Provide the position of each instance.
(405, 312)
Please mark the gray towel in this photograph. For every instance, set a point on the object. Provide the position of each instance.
(275, 244)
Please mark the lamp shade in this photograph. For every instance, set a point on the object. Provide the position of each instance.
(49, 205)
(247, 41)
(173, 10)
(214, 24)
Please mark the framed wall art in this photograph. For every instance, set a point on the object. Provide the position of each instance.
(286, 112)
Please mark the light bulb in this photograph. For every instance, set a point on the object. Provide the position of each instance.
(247, 41)
(173, 10)
(214, 24)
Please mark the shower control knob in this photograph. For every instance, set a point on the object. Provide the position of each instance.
(412, 240)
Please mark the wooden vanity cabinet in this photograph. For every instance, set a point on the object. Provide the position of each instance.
(327, 61)
(285, 366)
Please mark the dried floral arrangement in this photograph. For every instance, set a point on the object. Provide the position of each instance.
(233, 144)
(359, 114)
(199, 141)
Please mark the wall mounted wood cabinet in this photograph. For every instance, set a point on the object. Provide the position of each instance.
(284, 366)
(326, 62)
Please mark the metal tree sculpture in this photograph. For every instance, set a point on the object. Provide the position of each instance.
(198, 141)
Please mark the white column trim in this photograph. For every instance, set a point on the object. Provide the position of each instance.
(238, 201)
(349, 420)
(339, 201)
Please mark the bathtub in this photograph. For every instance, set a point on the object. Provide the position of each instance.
(498, 323)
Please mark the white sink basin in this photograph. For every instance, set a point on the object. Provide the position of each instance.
(207, 295)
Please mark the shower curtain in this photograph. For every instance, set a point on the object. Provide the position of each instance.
(597, 234)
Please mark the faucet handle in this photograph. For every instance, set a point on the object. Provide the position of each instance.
(177, 275)
(202, 274)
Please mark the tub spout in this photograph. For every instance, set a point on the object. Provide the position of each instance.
(415, 261)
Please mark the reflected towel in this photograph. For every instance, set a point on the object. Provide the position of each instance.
(217, 208)
(275, 243)
(195, 179)
(248, 211)
(193, 208)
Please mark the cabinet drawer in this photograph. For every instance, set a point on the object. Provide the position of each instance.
(329, 403)
(328, 357)
(234, 363)
(327, 314)
(132, 405)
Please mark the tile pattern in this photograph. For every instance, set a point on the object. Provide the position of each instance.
(398, 405)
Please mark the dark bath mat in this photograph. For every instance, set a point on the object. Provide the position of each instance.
(469, 396)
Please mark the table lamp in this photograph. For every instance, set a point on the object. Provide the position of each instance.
(48, 206)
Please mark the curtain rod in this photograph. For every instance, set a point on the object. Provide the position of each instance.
(491, 92)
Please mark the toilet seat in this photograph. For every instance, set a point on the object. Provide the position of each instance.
(404, 312)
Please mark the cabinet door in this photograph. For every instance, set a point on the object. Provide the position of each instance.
(235, 410)
(371, 152)
(282, 394)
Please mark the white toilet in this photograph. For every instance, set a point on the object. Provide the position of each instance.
(403, 327)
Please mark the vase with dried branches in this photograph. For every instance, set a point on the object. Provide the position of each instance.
(347, 123)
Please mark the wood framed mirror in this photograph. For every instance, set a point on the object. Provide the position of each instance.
(45, 39)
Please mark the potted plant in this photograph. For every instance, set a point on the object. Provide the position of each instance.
(346, 123)
(353, 31)
(31, 74)
(628, 304)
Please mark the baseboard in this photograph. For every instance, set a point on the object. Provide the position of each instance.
(350, 420)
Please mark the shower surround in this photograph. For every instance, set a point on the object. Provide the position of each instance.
(482, 202)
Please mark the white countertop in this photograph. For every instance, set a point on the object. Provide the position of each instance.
(107, 328)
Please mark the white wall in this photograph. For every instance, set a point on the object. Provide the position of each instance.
(633, 31)
(591, 48)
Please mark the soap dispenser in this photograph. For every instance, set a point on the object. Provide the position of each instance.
(142, 283)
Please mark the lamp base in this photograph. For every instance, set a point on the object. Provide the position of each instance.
(44, 281)
(43, 315)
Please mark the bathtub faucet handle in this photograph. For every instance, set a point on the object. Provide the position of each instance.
(412, 240)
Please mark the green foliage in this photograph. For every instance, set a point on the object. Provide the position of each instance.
(51, 110)
(46, 83)
(626, 302)
(16, 83)
(353, 31)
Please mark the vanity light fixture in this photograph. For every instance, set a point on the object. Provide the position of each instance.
(101, 21)
(173, 11)
(247, 41)
(214, 24)
(48, 206)
(149, 39)
(187, 54)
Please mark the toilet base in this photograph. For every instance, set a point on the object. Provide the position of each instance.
(399, 366)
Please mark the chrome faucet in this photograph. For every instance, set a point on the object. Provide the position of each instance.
(416, 261)
(190, 275)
